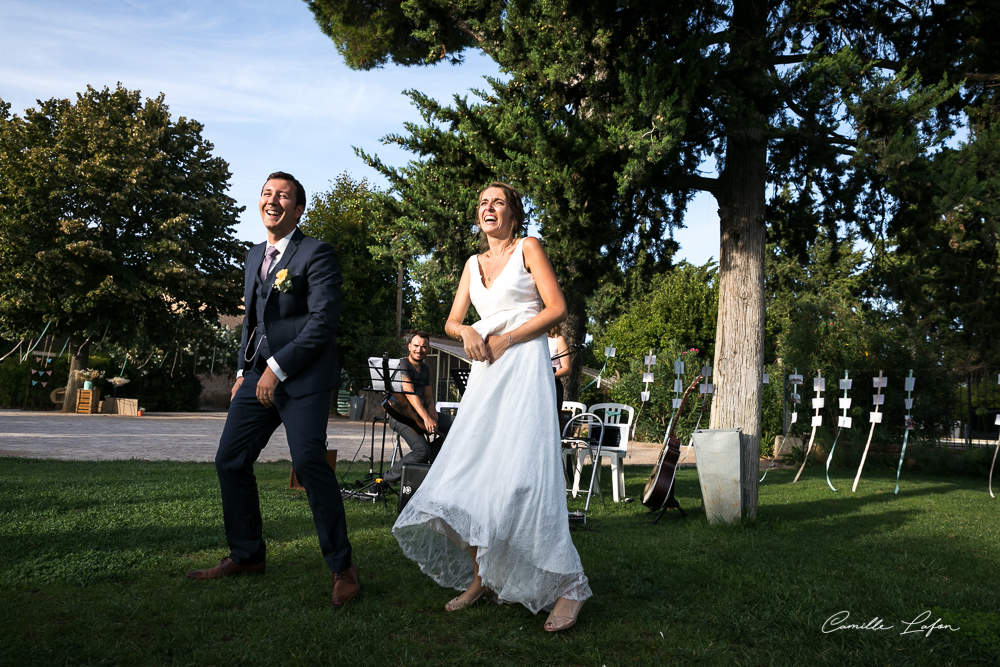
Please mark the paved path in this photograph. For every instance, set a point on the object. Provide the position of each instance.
(182, 436)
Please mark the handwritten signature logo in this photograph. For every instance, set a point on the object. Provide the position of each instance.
(838, 623)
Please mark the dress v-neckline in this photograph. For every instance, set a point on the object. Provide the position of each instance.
(479, 270)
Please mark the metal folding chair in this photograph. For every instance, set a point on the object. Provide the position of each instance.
(573, 436)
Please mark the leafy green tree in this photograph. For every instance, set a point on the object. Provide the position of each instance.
(828, 268)
(835, 333)
(679, 310)
(830, 99)
(114, 225)
(942, 267)
(348, 216)
(430, 212)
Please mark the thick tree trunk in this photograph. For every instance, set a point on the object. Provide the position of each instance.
(78, 361)
(739, 339)
(575, 331)
(741, 193)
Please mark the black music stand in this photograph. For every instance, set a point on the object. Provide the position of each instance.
(461, 378)
(385, 377)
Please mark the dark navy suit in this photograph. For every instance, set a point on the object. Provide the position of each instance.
(298, 329)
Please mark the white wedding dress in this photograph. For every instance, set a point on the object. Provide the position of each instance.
(497, 483)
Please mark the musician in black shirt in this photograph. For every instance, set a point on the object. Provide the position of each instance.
(416, 381)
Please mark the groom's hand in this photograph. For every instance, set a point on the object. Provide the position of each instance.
(236, 387)
(266, 386)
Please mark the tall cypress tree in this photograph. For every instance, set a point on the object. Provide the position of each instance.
(614, 109)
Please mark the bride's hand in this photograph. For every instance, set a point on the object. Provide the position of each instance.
(498, 345)
(475, 348)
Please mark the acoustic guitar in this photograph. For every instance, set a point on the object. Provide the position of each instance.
(398, 405)
(661, 480)
(399, 408)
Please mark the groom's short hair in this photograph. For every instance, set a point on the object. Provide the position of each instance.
(300, 192)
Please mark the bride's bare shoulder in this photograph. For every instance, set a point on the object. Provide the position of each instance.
(532, 248)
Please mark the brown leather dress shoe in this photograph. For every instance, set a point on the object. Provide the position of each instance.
(345, 587)
(227, 568)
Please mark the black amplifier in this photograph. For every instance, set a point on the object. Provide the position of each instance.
(413, 476)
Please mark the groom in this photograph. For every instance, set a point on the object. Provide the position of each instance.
(287, 369)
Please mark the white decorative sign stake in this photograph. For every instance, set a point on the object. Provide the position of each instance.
(706, 387)
(843, 422)
(908, 401)
(994, 454)
(678, 383)
(647, 377)
(875, 418)
(609, 352)
(819, 385)
(795, 380)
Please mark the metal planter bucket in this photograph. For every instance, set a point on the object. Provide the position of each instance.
(717, 456)
(357, 408)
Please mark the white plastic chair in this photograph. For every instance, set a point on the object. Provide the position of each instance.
(620, 416)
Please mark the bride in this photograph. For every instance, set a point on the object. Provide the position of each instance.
(496, 491)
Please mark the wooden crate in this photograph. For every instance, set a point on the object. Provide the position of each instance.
(331, 459)
(87, 401)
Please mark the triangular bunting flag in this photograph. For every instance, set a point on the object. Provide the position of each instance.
(33, 371)
(34, 382)
(48, 372)
(38, 360)
(48, 361)
(44, 383)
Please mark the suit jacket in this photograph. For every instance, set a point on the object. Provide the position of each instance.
(301, 324)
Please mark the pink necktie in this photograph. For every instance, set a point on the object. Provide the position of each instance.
(265, 266)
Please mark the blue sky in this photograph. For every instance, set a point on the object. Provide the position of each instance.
(269, 87)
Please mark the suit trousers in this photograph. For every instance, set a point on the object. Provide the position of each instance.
(249, 426)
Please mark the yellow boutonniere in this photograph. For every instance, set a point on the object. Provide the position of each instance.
(282, 281)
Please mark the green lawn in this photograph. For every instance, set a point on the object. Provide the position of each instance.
(92, 557)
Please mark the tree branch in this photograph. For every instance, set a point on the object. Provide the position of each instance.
(789, 59)
(832, 138)
(718, 38)
(978, 77)
(899, 5)
(893, 65)
(467, 29)
(972, 77)
(688, 182)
